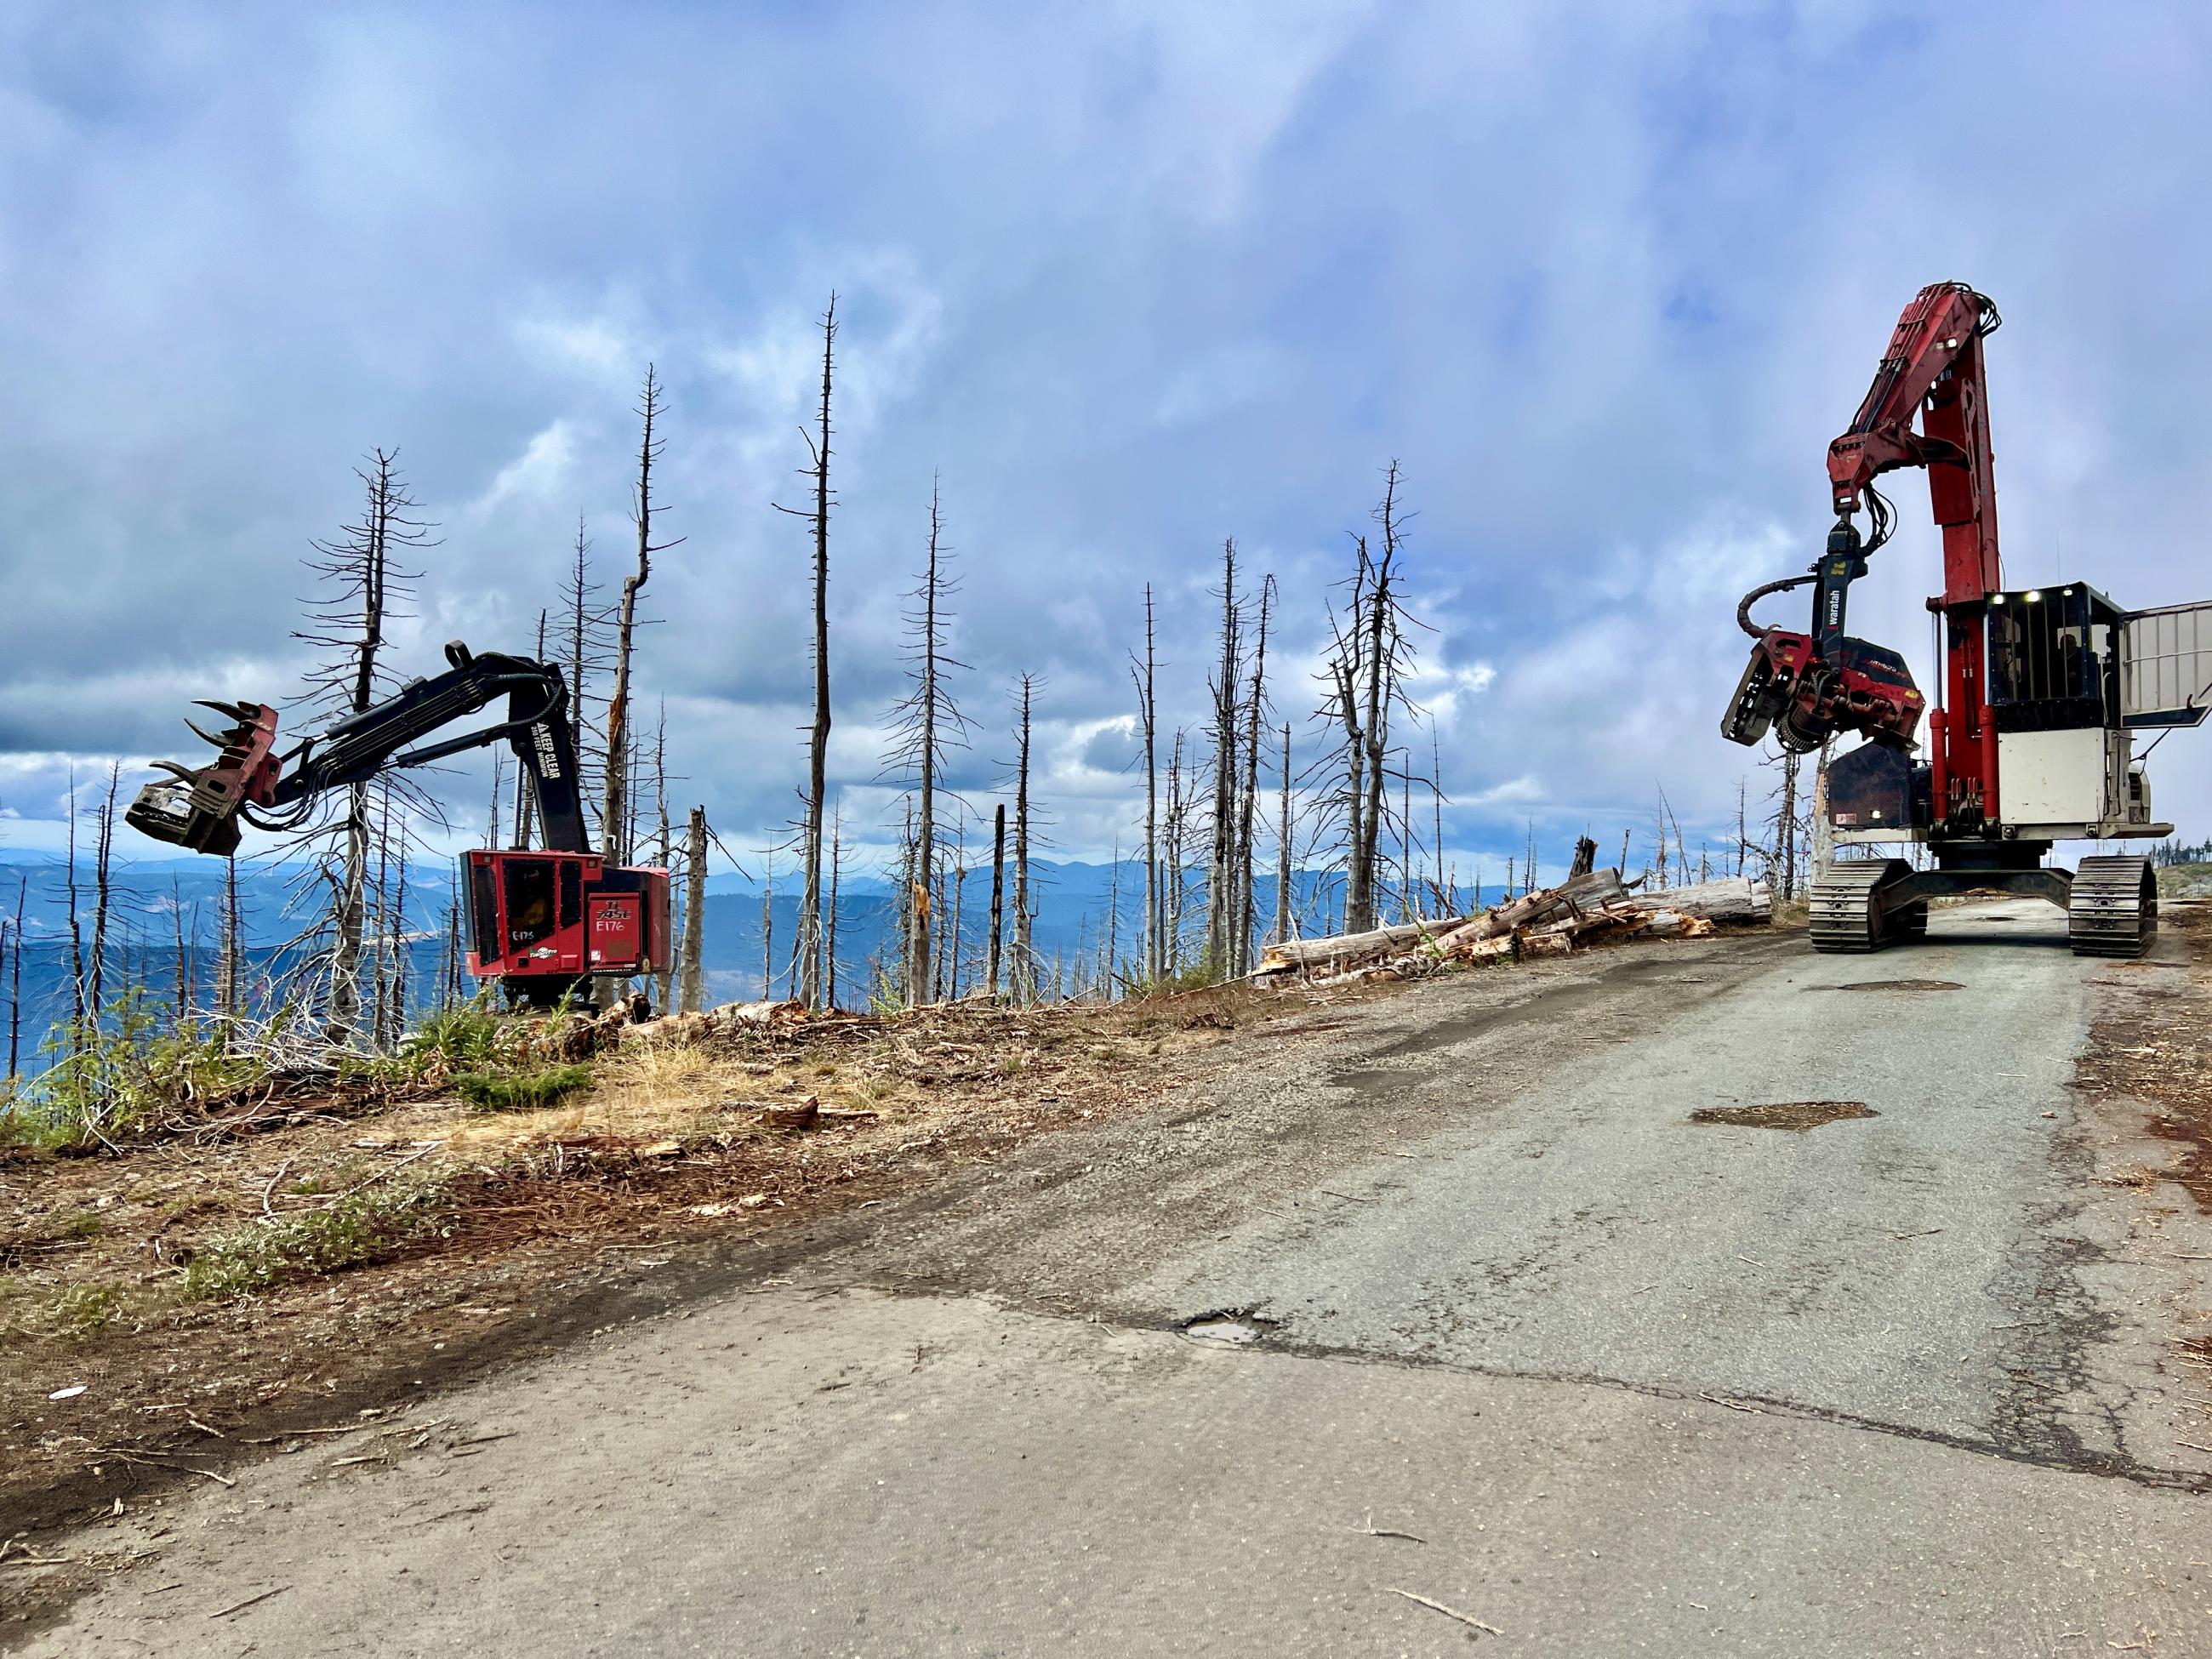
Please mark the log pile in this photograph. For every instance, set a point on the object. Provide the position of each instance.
(1549, 921)
(1735, 899)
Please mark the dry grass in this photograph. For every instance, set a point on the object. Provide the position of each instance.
(300, 1290)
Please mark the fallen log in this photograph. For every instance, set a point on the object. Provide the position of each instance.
(1597, 891)
(1592, 900)
(1372, 973)
(1737, 899)
(1343, 948)
(797, 1114)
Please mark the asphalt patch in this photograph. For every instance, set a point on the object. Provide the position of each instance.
(1237, 1326)
(1892, 985)
(1795, 1115)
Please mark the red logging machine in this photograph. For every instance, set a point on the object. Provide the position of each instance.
(540, 921)
(2031, 740)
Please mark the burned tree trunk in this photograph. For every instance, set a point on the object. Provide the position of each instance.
(367, 593)
(226, 966)
(929, 722)
(1585, 858)
(103, 889)
(1024, 974)
(1249, 790)
(15, 981)
(614, 818)
(664, 982)
(691, 988)
(811, 953)
(1365, 678)
(998, 894)
(830, 920)
(1282, 929)
(1221, 861)
(1148, 720)
(1178, 820)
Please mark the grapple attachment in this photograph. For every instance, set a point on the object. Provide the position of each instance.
(198, 810)
(1807, 699)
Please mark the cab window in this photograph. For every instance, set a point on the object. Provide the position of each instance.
(529, 894)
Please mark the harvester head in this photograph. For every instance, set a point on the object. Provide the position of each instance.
(1787, 687)
(198, 809)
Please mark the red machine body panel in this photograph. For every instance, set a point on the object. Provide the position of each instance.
(543, 914)
(614, 927)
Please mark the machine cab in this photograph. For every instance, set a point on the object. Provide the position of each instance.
(560, 916)
(2063, 750)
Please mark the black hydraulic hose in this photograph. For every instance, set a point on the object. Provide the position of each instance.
(1743, 608)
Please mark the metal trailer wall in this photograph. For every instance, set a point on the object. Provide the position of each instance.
(2165, 664)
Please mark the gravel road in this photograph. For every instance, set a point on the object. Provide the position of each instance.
(1498, 1346)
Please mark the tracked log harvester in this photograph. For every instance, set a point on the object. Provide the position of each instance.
(540, 921)
(2043, 690)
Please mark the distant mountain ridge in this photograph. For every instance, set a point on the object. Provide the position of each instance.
(1079, 910)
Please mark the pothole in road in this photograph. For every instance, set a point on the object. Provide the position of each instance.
(1236, 1327)
(1798, 1115)
(1892, 985)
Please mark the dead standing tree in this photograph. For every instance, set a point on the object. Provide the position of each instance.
(103, 891)
(15, 979)
(810, 946)
(1783, 860)
(1221, 909)
(925, 724)
(615, 818)
(1248, 791)
(1367, 675)
(1175, 835)
(691, 982)
(1283, 855)
(586, 652)
(1145, 675)
(363, 591)
(665, 850)
(1021, 975)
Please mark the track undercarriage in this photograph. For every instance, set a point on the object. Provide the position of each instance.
(1867, 904)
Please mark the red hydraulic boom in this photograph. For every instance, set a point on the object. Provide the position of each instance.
(2052, 682)
(1813, 686)
(542, 921)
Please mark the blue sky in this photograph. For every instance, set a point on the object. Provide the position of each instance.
(1605, 278)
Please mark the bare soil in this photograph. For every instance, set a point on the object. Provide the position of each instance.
(1795, 1115)
(551, 1221)
(2155, 1046)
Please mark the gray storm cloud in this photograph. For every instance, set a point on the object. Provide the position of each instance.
(1606, 278)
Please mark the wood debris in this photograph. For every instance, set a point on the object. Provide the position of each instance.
(1548, 921)
(1449, 1612)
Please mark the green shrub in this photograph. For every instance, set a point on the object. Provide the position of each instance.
(123, 1075)
(521, 1091)
(467, 1036)
(83, 1309)
(362, 1227)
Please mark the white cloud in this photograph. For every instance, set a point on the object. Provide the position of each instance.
(1133, 278)
(536, 476)
(600, 348)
